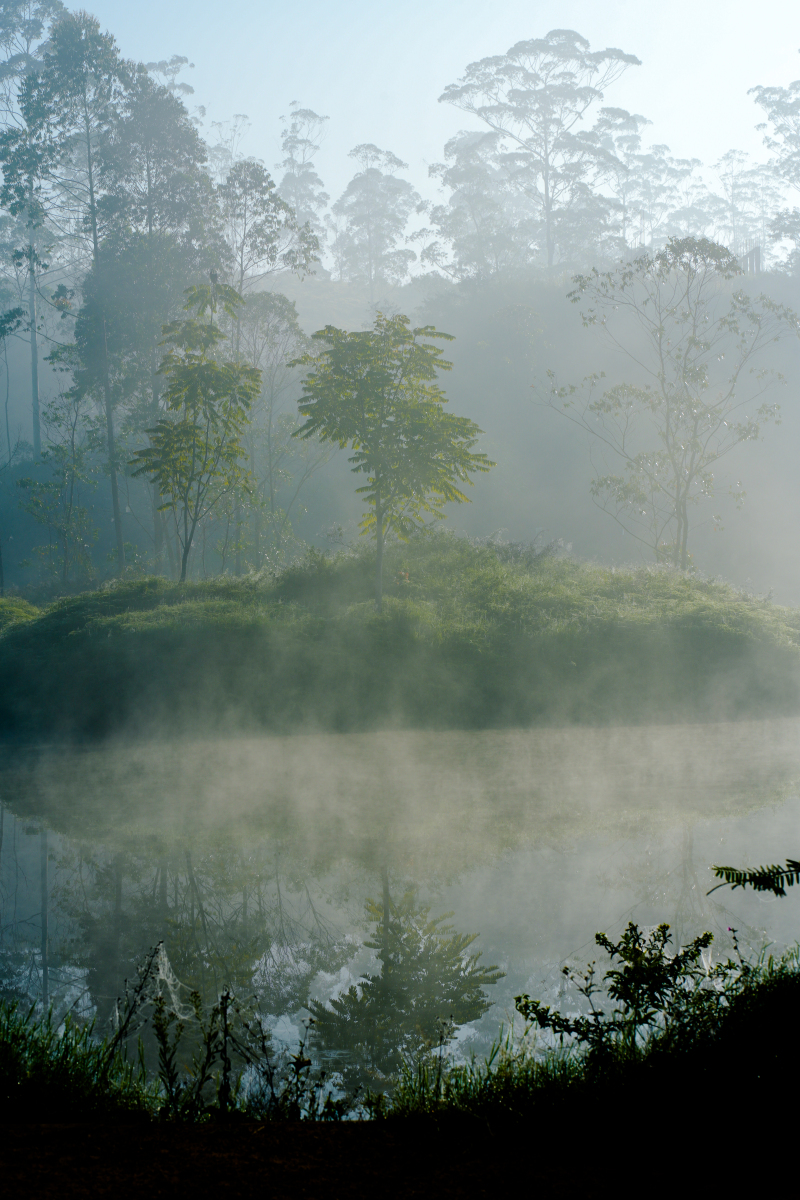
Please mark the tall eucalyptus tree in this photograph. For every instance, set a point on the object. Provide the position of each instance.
(69, 105)
(24, 28)
(301, 186)
(374, 210)
(536, 97)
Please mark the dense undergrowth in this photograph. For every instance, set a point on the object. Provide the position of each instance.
(688, 1047)
(470, 636)
(665, 1030)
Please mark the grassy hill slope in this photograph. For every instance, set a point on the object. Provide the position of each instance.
(477, 636)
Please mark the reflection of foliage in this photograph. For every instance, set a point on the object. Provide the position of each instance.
(428, 983)
(285, 972)
(228, 918)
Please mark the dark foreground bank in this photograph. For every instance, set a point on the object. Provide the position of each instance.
(469, 637)
(692, 1070)
(282, 1163)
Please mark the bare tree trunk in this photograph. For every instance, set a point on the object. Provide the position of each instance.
(185, 560)
(107, 402)
(163, 902)
(237, 517)
(37, 431)
(170, 550)
(379, 559)
(158, 532)
(112, 454)
(44, 903)
(386, 950)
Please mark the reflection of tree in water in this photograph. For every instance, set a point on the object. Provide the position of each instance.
(228, 918)
(669, 879)
(428, 984)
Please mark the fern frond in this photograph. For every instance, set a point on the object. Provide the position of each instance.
(773, 878)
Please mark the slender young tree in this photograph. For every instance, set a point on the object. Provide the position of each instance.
(697, 341)
(196, 453)
(376, 392)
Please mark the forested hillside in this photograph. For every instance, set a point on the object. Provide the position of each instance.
(117, 198)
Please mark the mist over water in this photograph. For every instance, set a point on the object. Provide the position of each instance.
(533, 840)
(381, 785)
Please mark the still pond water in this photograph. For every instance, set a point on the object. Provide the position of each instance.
(255, 860)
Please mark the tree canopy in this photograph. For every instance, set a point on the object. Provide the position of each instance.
(376, 391)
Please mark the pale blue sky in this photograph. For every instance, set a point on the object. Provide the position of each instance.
(377, 68)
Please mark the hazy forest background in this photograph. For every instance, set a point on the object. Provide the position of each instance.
(118, 195)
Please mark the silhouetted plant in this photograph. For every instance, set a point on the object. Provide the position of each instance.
(654, 991)
(218, 1059)
(773, 878)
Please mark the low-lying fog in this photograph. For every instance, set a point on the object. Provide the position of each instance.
(253, 858)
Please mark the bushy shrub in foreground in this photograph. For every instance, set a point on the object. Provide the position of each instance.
(663, 1033)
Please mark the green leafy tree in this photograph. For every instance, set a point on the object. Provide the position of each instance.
(535, 99)
(376, 392)
(429, 983)
(195, 453)
(696, 339)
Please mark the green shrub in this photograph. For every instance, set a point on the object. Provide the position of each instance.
(12, 608)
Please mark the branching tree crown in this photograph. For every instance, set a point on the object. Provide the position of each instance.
(196, 449)
(535, 97)
(695, 339)
(376, 392)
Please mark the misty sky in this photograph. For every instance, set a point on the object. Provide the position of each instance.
(378, 69)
